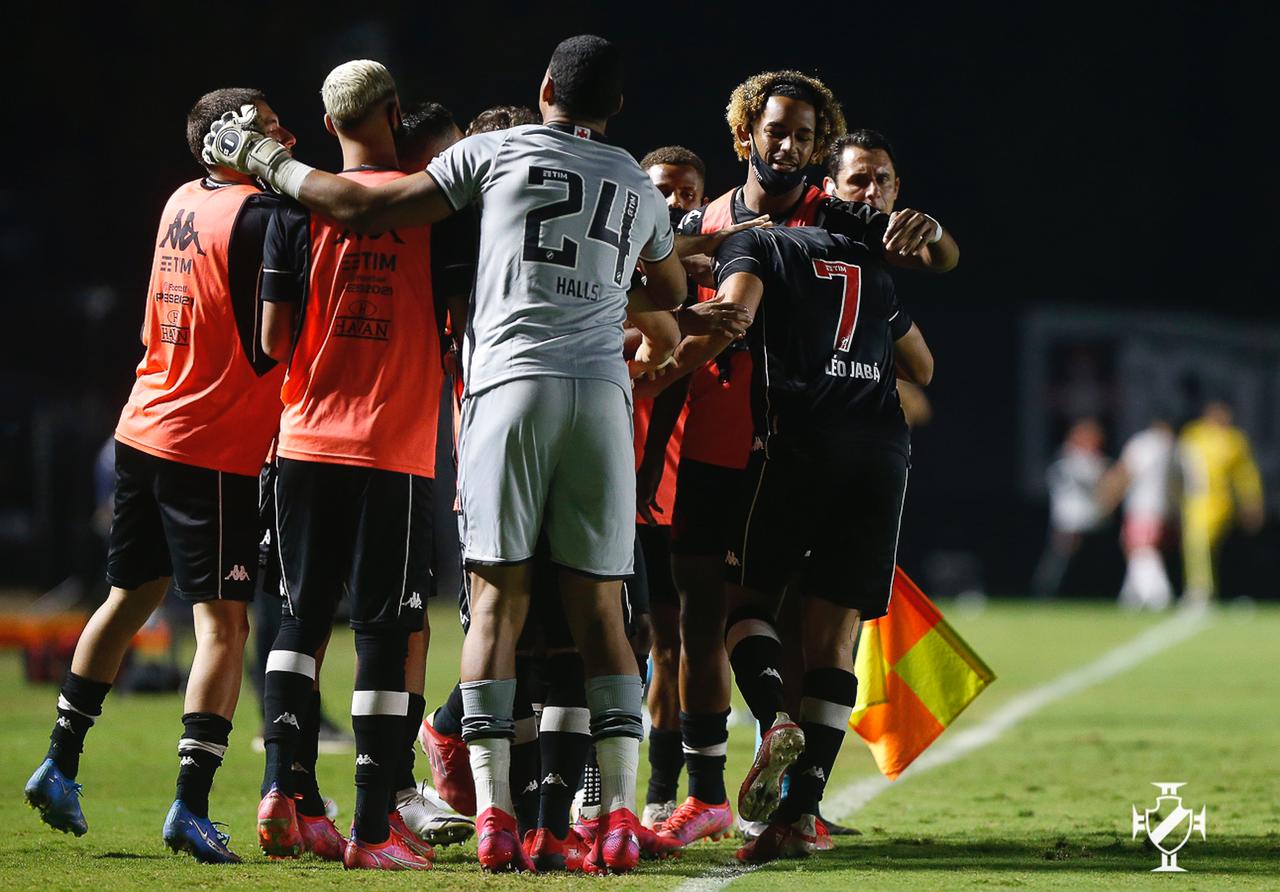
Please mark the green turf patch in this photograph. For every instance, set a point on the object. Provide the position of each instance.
(1047, 805)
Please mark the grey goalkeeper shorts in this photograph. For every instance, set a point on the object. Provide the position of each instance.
(553, 453)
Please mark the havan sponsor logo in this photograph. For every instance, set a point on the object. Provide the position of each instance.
(362, 321)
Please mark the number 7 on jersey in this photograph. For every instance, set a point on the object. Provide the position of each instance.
(852, 276)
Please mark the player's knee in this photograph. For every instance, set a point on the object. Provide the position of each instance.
(222, 624)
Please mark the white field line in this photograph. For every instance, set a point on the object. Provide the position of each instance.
(1185, 624)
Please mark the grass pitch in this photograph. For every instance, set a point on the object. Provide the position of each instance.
(1045, 805)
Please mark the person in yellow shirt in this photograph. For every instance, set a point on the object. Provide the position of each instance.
(1220, 482)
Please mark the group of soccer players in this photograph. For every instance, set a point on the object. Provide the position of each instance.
(311, 325)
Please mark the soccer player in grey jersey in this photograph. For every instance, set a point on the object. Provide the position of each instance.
(546, 434)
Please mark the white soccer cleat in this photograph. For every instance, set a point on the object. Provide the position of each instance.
(431, 822)
(655, 813)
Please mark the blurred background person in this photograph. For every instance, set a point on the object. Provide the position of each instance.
(1073, 510)
(1142, 477)
(1220, 482)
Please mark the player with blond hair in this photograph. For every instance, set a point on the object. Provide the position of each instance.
(351, 312)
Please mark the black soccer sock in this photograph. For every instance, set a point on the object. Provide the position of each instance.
(306, 787)
(829, 695)
(755, 652)
(564, 739)
(447, 719)
(286, 697)
(79, 703)
(666, 759)
(705, 741)
(205, 736)
(524, 761)
(378, 708)
(404, 772)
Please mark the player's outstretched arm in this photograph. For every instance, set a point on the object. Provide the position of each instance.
(666, 285)
(913, 358)
(709, 243)
(914, 240)
(744, 289)
(415, 200)
(660, 331)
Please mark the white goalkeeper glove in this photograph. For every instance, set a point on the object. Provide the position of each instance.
(234, 141)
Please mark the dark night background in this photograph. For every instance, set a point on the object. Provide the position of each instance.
(1104, 156)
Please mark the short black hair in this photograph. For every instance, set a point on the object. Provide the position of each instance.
(587, 75)
(209, 108)
(867, 139)
(422, 123)
(675, 155)
(501, 117)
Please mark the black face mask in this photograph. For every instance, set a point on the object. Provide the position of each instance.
(773, 182)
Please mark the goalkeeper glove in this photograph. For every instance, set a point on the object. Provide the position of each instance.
(233, 141)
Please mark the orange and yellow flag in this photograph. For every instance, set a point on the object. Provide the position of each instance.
(915, 675)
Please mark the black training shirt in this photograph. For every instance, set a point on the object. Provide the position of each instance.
(822, 340)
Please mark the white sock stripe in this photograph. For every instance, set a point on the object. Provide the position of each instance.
(526, 730)
(716, 749)
(380, 703)
(65, 704)
(824, 712)
(190, 743)
(291, 661)
(566, 719)
(749, 628)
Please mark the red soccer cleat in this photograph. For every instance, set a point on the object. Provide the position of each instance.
(654, 845)
(761, 789)
(616, 848)
(822, 836)
(549, 853)
(781, 840)
(321, 838)
(695, 820)
(498, 843)
(278, 834)
(450, 768)
(393, 854)
(419, 845)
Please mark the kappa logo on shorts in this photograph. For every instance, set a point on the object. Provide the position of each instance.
(769, 670)
(816, 771)
(554, 779)
(64, 722)
(732, 559)
(366, 759)
(414, 601)
(287, 718)
(238, 573)
(186, 760)
(757, 444)
(532, 788)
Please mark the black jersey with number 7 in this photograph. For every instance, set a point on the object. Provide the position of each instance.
(822, 340)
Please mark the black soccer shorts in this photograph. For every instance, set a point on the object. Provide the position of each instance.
(705, 509)
(194, 524)
(364, 531)
(655, 547)
(842, 511)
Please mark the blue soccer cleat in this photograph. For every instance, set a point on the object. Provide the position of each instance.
(57, 798)
(184, 832)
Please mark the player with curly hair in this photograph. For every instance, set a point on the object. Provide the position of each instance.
(781, 122)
